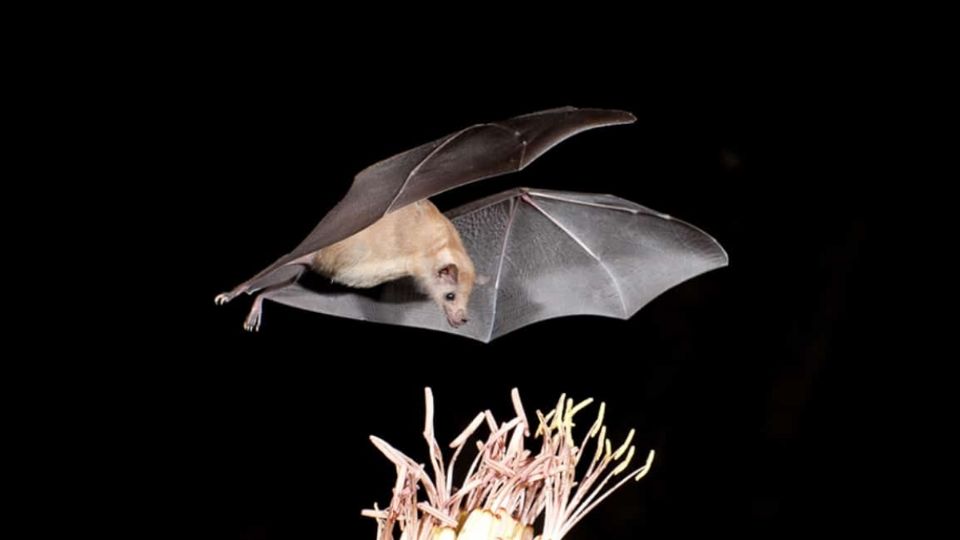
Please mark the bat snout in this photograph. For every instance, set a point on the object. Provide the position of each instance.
(457, 318)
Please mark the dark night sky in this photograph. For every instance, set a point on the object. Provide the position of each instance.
(741, 379)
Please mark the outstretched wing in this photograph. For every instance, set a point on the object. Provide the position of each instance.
(475, 153)
(548, 254)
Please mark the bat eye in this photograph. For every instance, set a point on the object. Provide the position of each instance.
(451, 296)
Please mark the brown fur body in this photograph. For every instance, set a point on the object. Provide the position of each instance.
(416, 240)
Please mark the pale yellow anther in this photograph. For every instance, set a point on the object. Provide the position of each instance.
(580, 406)
(568, 420)
(542, 428)
(596, 425)
(603, 433)
(623, 447)
(646, 468)
(623, 464)
(558, 418)
(548, 422)
(607, 455)
(568, 423)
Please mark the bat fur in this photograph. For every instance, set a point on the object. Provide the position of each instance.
(416, 241)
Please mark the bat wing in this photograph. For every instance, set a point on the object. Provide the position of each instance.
(475, 153)
(548, 254)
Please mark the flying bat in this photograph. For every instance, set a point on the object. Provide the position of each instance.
(517, 257)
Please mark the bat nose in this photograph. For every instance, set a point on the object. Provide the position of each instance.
(458, 318)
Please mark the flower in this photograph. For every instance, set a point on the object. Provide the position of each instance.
(507, 487)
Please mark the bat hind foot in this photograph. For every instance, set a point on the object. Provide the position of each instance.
(252, 324)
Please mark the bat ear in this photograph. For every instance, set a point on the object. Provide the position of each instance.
(449, 273)
(482, 279)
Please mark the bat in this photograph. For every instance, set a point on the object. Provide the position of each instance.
(547, 254)
(415, 241)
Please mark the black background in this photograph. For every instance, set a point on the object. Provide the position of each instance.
(744, 380)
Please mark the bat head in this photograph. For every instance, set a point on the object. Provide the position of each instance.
(450, 287)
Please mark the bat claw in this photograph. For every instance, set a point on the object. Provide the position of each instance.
(222, 299)
(252, 324)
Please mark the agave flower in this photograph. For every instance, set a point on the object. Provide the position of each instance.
(507, 486)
